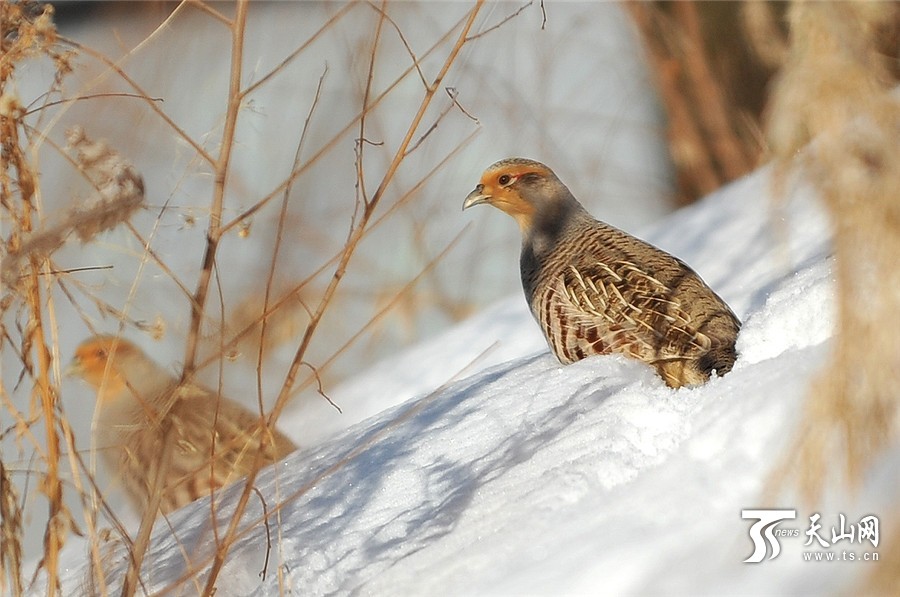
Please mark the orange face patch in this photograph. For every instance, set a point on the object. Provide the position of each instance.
(92, 357)
(498, 182)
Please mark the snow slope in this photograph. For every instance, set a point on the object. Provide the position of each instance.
(494, 470)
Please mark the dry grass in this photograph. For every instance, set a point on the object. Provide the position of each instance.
(836, 92)
(836, 95)
(28, 32)
(282, 311)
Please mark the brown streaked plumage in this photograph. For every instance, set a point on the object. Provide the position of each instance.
(140, 406)
(595, 289)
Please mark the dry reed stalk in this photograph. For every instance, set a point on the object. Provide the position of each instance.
(836, 92)
(10, 534)
(28, 32)
(28, 275)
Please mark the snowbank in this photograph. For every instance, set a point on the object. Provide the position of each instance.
(494, 470)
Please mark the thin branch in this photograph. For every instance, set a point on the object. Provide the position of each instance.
(402, 37)
(241, 334)
(265, 509)
(74, 270)
(278, 241)
(434, 125)
(205, 7)
(320, 389)
(145, 244)
(350, 248)
(293, 55)
(113, 67)
(501, 23)
(429, 267)
(143, 94)
(335, 139)
(361, 139)
(89, 97)
(453, 92)
(214, 232)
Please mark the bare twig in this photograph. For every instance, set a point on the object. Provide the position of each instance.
(388, 306)
(453, 93)
(214, 230)
(265, 509)
(278, 242)
(361, 140)
(151, 102)
(503, 22)
(381, 10)
(435, 124)
(293, 55)
(242, 333)
(205, 7)
(91, 96)
(358, 233)
(336, 138)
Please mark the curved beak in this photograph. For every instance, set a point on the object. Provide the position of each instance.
(477, 196)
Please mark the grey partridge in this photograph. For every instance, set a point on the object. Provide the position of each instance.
(141, 407)
(595, 289)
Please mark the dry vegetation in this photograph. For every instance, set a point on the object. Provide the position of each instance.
(51, 470)
(835, 101)
(28, 32)
(835, 92)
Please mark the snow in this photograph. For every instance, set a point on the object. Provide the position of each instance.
(497, 471)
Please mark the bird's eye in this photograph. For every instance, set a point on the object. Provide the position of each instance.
(504, 179)
(101, 353)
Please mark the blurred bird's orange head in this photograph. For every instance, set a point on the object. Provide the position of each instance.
(520, 187)
(97, 361)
